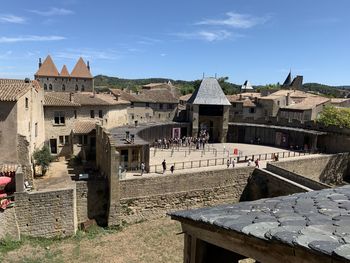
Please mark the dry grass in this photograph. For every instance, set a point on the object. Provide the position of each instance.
(150, 241)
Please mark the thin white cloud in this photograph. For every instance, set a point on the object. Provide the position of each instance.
(7, 18)
(53, 11)
(31, 38)
(88, 54)
(207, 35)
(235, 20)
(148, 41)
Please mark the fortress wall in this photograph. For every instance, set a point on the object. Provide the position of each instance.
(8, 223)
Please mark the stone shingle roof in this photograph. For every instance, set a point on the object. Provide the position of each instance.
(13, 89)
(318, 221)
(80, 99)
(48, 68)
(209, 93)
(84, 127)
(80, 70)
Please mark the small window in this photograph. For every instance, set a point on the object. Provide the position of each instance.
(251, 110)
(63, 87)
(159, 115)
(132, 116)
(75, 114)
(147, 104)
(131, 104)
(66, 139)
(55, 78)
(59, 118)
(278, 103)
(82, 88)
(36, 129)
(92, 114)
(50, 86)
(61, 140)
(27, 103)
(160, 106)
(100, 114)
(76, 80)
(76, 88)
(45, 86)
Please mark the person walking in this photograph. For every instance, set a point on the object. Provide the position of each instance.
(228, 163)
(143, 166)
(257, 163)
(172, 168)
(249, 162)
(164, 166)
(233, 163)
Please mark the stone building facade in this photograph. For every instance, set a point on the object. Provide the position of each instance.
(149, 105)
(70, 119)
(50, 79)
(21, 122)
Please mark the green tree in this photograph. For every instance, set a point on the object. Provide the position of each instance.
(43, 158)
(335, 116)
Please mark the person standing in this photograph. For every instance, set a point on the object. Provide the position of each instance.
(172, 168)
(228, 163)
(233, 163)
(142, 168)
(164, 166)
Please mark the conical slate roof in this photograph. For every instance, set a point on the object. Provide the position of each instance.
(209, 93)
(246, 86)
(80, 70)
(64, 71)
(288, 80)
(48, 68)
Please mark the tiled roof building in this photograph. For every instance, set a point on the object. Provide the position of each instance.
(79, 80)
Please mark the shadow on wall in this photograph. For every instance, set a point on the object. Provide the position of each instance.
(97, 201)
(336, 170)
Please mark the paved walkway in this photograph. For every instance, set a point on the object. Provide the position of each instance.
(223, 151)
(58, 176)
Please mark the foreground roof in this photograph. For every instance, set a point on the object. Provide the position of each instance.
(318, 221)
(307, 103)
(209, 93)
(80, 99)
(84, 127)
(13, 89)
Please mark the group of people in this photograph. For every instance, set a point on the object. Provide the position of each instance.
(185, 141)
(250, 163)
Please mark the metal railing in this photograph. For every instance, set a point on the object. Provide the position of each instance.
(223, 160)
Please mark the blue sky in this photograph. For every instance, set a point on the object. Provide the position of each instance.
(242, 39)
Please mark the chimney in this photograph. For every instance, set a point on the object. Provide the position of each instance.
(288, 99)
(88, 65)
(40, 63)
(71, 97)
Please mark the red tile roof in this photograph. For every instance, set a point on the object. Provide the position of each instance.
(48, 68)
(13, 89)
(80, 70)
(84, 127)
(64, 72)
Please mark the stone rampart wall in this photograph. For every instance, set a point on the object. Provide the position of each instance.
(47, 213)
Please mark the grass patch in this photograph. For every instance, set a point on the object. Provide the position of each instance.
(8, 244)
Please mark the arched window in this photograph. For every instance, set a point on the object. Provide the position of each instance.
(50, 86)
(76, 88)
(45, 86)
(82, 88)
(63, 87)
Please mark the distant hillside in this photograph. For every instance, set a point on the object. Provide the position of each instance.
(104, 82)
